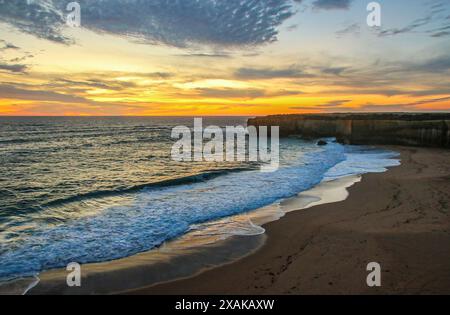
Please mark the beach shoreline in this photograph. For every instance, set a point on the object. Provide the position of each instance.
(399, 219)
(188, 255)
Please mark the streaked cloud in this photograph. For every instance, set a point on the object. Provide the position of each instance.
(14, 68)
(271, 73)
(338, 106)
(332, 4)
(205, 55)
(411, 106)
(243, 93)
(433, 65)
(18, 93)
(354, 29)
(325, 106)
(434, 22)
(414, 25)
(334, 70)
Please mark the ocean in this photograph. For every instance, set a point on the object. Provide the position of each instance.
(97, 189)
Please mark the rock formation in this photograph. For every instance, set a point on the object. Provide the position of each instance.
(421, 129)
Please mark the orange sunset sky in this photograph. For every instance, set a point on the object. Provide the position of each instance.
(213, 57)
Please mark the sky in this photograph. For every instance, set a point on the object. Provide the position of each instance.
(223, 57)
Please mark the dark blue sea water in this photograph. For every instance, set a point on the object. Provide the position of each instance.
(97, 189)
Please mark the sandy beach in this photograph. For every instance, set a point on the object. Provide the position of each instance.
(399, 219)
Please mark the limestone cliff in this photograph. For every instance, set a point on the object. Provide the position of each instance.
(422, 129)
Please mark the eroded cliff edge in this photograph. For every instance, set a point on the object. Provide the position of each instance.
(431, 129)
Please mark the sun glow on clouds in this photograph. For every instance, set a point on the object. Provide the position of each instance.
(224, 57)
(213, 83)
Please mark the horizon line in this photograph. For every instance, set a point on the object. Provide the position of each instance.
(193, 116)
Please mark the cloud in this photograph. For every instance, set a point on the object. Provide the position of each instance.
(334, 70)
(441, 34)
(387, 77)
(357, 91)
(335, 103)
(332, 4)
(441, 30)
(231, 93)
(329, 105)
(292, 27)
(408, 28)
(403, 106)
(433, 65)
(270, 73)
(435, 23)
(336, 106)
(12, 92)
(91, 84)
(205, 55)
(13, 65)
(431, 92)
(384, 108)
(14, 68)
(354, 29)
(39, 18)
(243, 93)
(172, 22)
(44, 101)
(7, 46)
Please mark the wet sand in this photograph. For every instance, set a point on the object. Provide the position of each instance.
(399, 219)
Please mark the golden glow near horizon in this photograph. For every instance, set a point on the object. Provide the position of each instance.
(319, 63)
